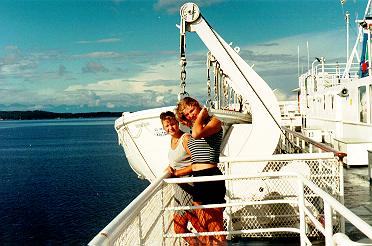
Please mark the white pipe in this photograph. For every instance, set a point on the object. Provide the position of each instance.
(282, 157)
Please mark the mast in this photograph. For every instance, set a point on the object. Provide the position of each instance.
(354, 52)
(347, 17)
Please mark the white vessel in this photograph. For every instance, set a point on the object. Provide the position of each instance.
(269, 194)
(336, 99)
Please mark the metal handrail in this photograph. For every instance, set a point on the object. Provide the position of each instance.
(323, 147)
(329, 202)
(111, 231)
(132, 215)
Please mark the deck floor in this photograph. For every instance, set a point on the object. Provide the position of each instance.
(358, 198)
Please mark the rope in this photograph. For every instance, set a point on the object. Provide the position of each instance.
(130, 135)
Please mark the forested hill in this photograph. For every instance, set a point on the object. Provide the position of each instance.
(39, 115)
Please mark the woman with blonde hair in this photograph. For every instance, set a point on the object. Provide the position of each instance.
(204, 145)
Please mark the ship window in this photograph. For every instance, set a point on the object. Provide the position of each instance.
(362, 106)
(324, 102)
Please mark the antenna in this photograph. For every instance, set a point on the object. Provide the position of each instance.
(298, 61)
(347, 17)
(308, 55)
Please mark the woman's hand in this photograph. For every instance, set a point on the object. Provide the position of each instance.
(171, 171)
(203, 115)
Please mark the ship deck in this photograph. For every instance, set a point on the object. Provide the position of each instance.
(358, 198)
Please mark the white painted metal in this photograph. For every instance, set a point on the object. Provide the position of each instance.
(331, 102)
(116, 232)
(265, 132)
(145, 143)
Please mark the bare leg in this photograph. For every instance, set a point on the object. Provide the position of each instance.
(180, 226)
(193, 218)
(212, 220)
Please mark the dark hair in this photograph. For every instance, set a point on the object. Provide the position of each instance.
(168, 115)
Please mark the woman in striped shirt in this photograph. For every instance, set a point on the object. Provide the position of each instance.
(204, 145)
(180, 166)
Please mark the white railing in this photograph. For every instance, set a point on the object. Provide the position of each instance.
(295, 142)
(133, 224)
(330, 205)
(149, 218)
(336, 69)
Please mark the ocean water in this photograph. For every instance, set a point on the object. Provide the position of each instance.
(61, 181)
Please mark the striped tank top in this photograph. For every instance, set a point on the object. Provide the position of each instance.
(206, 150)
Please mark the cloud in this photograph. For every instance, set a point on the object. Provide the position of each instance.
(15, 63)
(158, 85)
(93, 67)
(268, 44)
(150, 79)
(105, 40)
(99, 55)
(276, 61)
(283, 96)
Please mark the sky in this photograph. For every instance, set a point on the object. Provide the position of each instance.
(123, 55)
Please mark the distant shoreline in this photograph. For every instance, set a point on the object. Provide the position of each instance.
(44, 115)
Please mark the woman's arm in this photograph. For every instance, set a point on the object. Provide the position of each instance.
(201, 129)
(184, 143)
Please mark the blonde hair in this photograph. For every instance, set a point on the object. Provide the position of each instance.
(182, 104)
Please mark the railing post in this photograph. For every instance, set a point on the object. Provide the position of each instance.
(286, 142)
(228, 200)
(328, 227)
(140, 230)
(301, 210)
(303, 143)
(298, 142)
(342, 190)
(163, 212)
